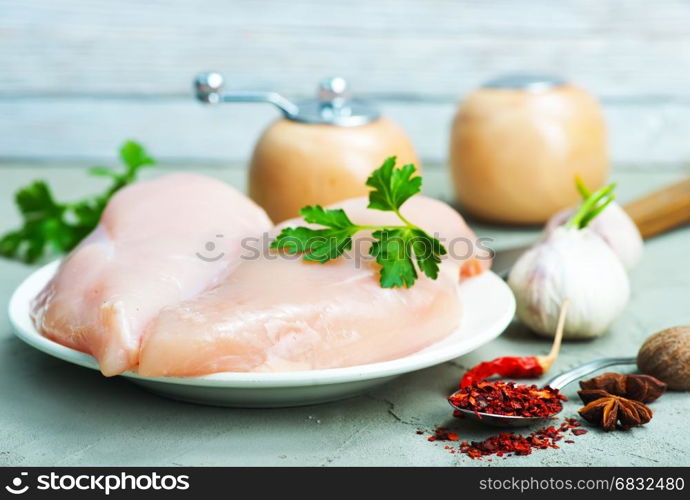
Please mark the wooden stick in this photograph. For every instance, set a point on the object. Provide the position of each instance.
(662, 210)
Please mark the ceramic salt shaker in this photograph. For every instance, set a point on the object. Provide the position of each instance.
(517, 144)
(319, 152)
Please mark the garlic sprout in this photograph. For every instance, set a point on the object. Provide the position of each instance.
(614, 226)
(572, 263)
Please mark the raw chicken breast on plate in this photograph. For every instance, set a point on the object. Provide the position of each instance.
(158, 243)
(275, 312)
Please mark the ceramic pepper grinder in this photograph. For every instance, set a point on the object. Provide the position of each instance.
(517, 144)
(321, 151)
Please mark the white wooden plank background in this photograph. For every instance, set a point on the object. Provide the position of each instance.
(78, 76)
(180, 130)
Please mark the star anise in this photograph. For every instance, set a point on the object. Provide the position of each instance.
(644, 388)
(606, 410)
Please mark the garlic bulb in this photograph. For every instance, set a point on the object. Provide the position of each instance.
(576, 264)
(615, 227)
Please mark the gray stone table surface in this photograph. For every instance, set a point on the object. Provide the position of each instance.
(54, 413)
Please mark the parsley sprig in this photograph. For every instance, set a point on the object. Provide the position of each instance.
(395, 248)
(50, 226)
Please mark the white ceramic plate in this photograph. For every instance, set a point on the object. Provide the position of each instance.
(488, 307)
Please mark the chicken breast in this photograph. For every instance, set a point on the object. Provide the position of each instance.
(275, 312)
(158, 243)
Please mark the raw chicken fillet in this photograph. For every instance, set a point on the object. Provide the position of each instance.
(158, 243)
(278, 313)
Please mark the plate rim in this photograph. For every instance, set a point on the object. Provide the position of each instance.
(257, 380)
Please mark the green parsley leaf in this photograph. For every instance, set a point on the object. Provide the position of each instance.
(318, 245)
(43, 225)
(53, 227)
(104, 172)
(393, 252)
(392, 186)
(35, 201)
(134, 156)
(10, 242)
(335, 218)
(427, 251)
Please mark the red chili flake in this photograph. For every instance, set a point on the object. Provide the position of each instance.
(571, 422)
(507, 443)
(579, 432)
(443, 434)
(506, 398)
(420, 432)
(569, 441)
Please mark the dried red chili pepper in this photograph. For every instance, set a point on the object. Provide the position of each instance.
(509, 399)
(518, 366)
(508, 367)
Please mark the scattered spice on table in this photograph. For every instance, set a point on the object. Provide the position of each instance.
(507, 444)
(443, 434)
(508, 399)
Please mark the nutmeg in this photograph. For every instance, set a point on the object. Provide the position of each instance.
(666, 356)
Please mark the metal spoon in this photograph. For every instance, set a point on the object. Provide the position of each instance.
(557, 382)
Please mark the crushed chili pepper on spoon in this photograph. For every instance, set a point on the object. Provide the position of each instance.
(508, 399)
(518, 366)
